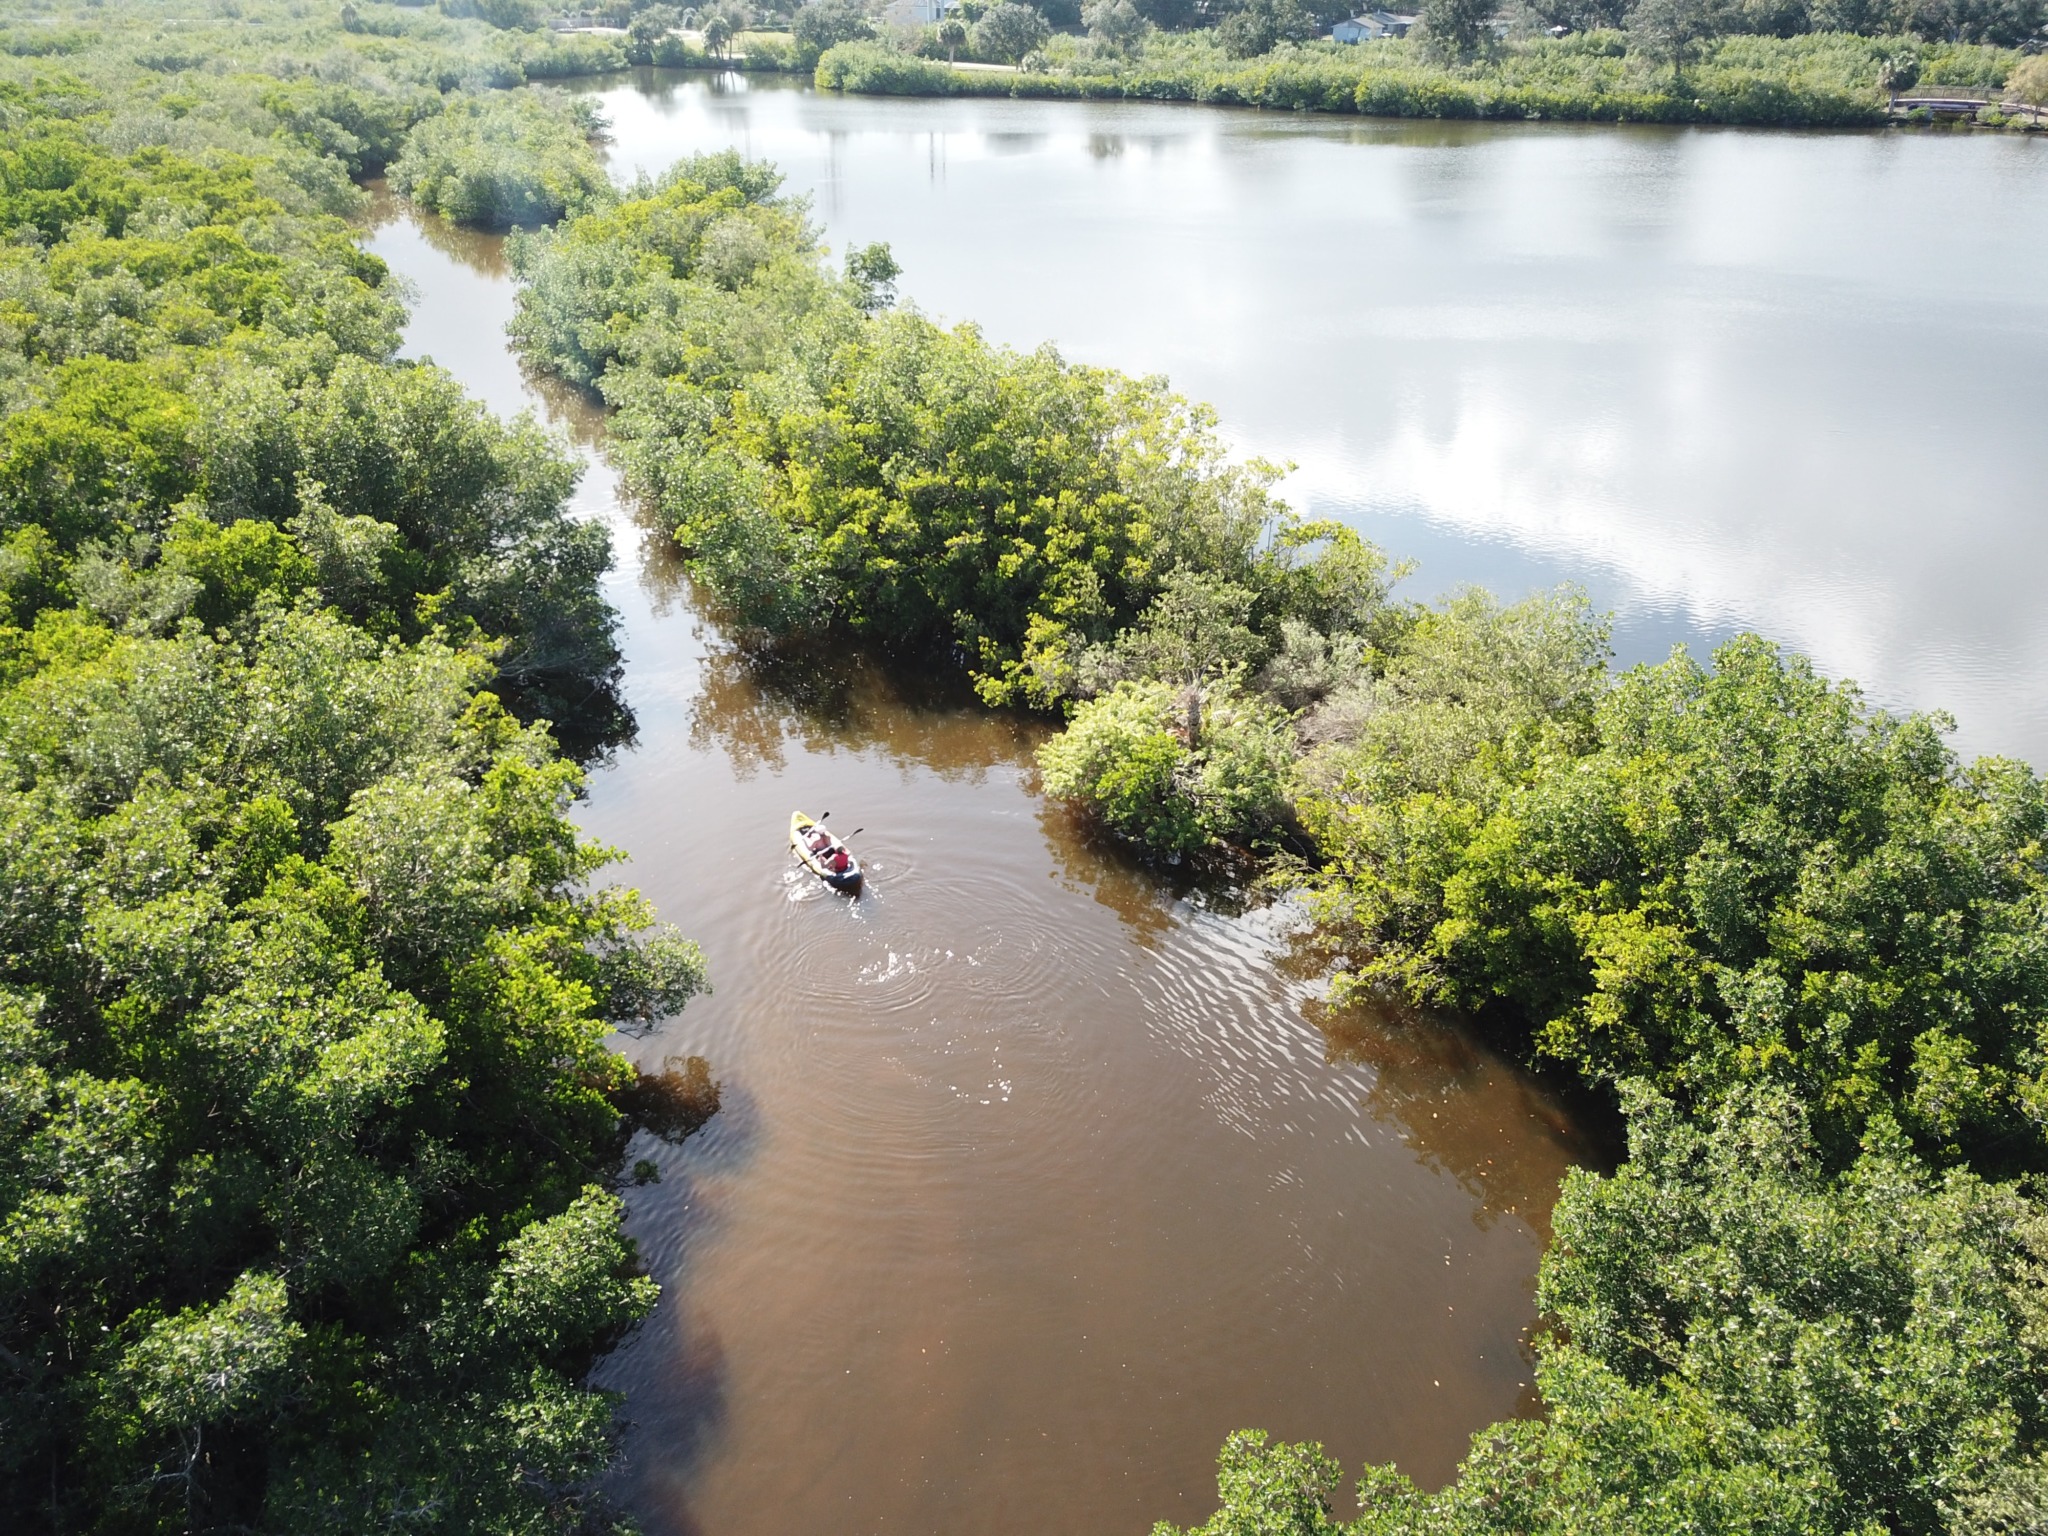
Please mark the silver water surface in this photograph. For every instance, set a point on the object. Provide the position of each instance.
(1724, 379)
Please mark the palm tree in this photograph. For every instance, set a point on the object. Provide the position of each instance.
(952, 36)
(1900, 72)
(717, 34)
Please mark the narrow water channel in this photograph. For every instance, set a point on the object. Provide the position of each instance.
(1035, 1177)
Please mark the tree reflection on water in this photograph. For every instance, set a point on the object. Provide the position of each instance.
(1459, 1103)
(756, 706)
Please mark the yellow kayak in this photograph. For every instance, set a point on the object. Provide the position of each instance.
(823, 854)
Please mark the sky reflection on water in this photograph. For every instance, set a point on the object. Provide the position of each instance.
(1722, 379)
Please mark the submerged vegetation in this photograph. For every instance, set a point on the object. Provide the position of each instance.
(1801, 947)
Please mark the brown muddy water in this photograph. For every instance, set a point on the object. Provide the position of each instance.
(1034, 1177)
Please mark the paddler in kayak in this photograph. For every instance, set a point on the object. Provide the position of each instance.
(827, 856)
(832, 858)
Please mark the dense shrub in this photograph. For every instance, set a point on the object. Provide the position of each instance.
(823, 25)
(1007, 31)
(201, 75)
(1001, 505)
(914, 486)
(1174, 770)
(296, 973)
(386, 485)
(305, 980)
(1816, 80)
(2029, 81)
(1743, 875)
(877, 69)
(520, 157)
(758, 52)
(363, 129)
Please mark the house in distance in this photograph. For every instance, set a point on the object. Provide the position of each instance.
(1371, 25)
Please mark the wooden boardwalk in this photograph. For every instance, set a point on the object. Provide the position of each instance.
(1956, 103)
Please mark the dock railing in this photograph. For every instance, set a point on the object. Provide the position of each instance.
(1960, 101)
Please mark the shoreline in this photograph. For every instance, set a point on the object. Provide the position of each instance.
(1450, 99)
(1320, 83)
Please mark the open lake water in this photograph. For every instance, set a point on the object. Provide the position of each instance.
(1034, 1176)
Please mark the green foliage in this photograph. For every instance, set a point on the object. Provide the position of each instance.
(1748, 1343)
(235, 566)
(960, 495)
(363, 129)
(1456, 29)
(1997, 23)
(146, 253)
(1900, 72)
(1736, 875)
(325, 973)
(765, 52)
(1881, 1315)
(1199, 626)
(260, 76)
(1173, 770)
(2029, 81)
(876, 69)
(1007, 31)
(1269, 1490)
(873, 270)
(1460, 694)
(657, 279)
(1122, 757)
(520, 157)
(33, 575)
(1115, 26)
(520, 15)
(377, 486)
(209, 1364)
(1821, 79)
(830, 463)
(1259, 26)
(1668, 32)
(113, 446)
(307, 1112)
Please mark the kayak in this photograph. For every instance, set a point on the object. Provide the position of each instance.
(821, 862)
